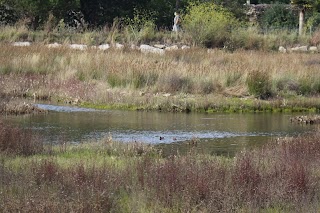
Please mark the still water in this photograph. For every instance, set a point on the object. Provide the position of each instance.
(215, 133)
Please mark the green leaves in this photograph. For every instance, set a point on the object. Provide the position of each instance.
(303, 3)
(208, 24)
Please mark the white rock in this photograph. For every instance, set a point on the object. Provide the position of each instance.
(149, 49)
(300, 49)
(184, 47)
(160, 46)
(78, 46)
(282, 49)
(313, 49)
(166, 95)
(54, 45)
(134, 47)
(119, 46)
(174, 47)
(22, 44)
(103, 46)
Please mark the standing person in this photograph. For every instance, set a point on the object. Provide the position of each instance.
(176, 22)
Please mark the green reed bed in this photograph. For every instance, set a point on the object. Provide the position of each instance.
(184, 79)
(106, 176)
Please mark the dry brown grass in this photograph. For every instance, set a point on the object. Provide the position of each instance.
(95, 76)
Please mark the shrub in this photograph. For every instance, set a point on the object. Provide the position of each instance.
(314, 22)
(176, 83)
(279, 16)
(315, 39)
(18, 141)
(259, 84)
(245, 38)
(141, 28)
(208, 24)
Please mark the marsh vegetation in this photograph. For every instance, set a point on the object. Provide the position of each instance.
(182, 80)
(108, 176)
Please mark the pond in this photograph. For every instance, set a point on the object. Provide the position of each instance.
(219, 133)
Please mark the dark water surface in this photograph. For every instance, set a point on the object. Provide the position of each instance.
(215, 133)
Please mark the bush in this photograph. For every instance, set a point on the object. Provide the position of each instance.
(315, 39)
(18, 141)
(279, 16)
(259, 84)
(7, 15)
(245, 38)
(176, 83)
(314, 22)
(208, 24)
(141, 28)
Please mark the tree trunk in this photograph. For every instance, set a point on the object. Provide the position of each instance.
(177, 4)
(301, 21)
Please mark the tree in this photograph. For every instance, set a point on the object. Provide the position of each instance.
(209, 24)
(35, 11)
(278, 16)
(302, 5)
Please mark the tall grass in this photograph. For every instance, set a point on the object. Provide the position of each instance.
(129, 77)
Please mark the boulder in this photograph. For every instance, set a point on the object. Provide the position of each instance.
(119, 46)
(173, 47)
(160, 46)
(103, 46)
(282, 49)
(54, 45)
(22, 44)
(185, 47)
(300, 49)
(150, 49)
(78, 46)
(313, 49)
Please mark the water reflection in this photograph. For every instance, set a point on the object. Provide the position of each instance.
(216, 133)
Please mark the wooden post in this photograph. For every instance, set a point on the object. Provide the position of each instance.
(301, 21)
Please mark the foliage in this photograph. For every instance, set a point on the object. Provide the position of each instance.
(141, 28)
(278, 16)
(269, 1)
(208, 24)
(17, 141)
(247, 38)
(303, 3)
(259, 84)
(313, 21)
(7, 15)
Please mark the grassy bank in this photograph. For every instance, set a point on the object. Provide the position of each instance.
(282, 176)
(184, 80)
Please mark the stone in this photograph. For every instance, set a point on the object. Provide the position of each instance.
(160, 46)
(103, 46)
(78, 46)
(185, 47)
(119, 46)
(173, 47)
(282, 49)
(54, 45)
(150, 49)
(300, 49)
(22, 44)
(313, 49)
